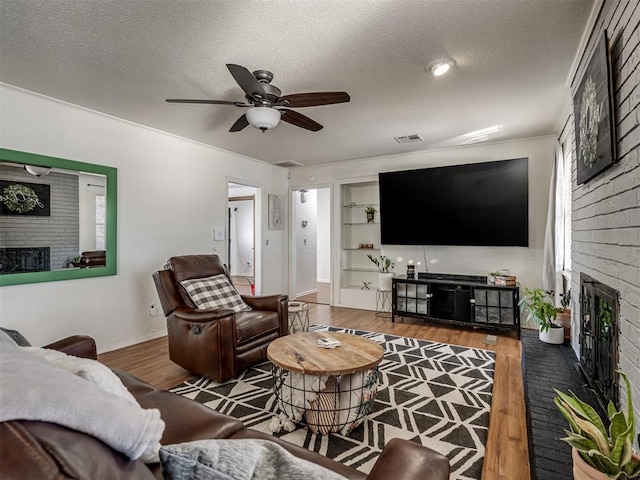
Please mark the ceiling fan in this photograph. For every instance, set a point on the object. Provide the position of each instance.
(265, 103)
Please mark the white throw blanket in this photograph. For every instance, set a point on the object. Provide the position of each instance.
(246, 459)
(35, 388)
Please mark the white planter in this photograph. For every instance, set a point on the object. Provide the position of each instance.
(554, 335)
(384, 280)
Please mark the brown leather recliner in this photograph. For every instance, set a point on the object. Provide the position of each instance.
(216, 343)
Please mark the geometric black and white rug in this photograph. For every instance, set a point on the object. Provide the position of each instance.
(434, 394)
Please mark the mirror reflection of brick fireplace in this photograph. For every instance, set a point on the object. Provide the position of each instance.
(599, 307)
(20, 260)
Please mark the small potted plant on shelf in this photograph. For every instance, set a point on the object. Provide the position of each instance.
(492, 276)
(370, 211)
(542, 310)
(599, 453)
(385, 265)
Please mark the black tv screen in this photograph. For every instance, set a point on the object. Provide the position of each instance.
(481, 204)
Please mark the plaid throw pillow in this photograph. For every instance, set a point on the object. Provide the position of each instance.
(214, 292)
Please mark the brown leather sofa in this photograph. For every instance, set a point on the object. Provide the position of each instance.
(216, 343)
(39, 450)
(94, 258)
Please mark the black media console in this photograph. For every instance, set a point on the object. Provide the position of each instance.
(457, 299)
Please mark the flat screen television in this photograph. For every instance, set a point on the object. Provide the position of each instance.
(479, 204)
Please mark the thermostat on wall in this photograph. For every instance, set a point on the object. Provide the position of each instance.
(218, 233)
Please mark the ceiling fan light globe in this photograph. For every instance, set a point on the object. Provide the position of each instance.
(37, 171)
(263, 118)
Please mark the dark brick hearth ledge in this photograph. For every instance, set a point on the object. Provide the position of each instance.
(544, 368)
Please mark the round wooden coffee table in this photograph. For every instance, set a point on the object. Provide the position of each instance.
(328, 390)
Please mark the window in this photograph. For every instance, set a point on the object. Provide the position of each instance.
(101, 215)
(564, 206)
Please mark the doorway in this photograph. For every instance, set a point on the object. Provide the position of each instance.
(311, 245)
(241, 240)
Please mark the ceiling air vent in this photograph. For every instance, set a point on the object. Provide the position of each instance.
(288, 163)
(408, 138)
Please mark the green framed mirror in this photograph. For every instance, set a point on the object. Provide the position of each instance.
(52, 211)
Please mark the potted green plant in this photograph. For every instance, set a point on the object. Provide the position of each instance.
(370, 211)
(385, 265)
(598, 452)
(77, 261)
(541, 309)
(564, 314)
(492, 276)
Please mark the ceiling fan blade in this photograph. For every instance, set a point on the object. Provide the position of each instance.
(208, 102)
(299, 120)
(247, 81)
(314, 99)
(240, 124)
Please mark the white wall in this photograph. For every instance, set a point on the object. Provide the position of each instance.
(323, 211)
(171, 192)
(525, 263)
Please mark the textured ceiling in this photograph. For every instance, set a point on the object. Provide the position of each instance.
(125, 57)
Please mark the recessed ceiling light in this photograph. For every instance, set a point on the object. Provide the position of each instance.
(440, 67)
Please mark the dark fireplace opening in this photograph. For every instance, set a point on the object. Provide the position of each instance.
(599, 307)
(22, 260)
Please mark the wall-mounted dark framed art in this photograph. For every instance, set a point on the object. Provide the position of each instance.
(594, 115)
(22, 198)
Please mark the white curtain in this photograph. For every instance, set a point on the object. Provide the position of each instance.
(554, 233)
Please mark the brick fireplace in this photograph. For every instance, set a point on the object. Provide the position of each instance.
(599, 325)
(21, 260)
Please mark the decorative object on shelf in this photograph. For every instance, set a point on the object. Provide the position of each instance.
(370, 211)
(505, 280)
(385, 265)
(365, 246)
(411, 269)
(492, 277)
(365, 286)
(541, 309)
(598, 453)
(593, 114)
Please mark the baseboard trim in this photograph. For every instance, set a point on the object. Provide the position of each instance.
(127, 343)
(308, 292)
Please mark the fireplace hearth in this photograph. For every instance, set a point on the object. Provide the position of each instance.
(22, 260)
(599, 307)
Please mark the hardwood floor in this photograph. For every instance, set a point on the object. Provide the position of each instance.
(322, 294)
(507, 456)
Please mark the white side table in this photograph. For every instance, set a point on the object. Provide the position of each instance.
(383, 303)
(298, 317)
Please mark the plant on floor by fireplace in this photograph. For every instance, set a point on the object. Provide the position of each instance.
(607, 451)
(540, 308)
(564, 314)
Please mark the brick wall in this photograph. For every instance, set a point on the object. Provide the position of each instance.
(606, 210)
(60, 231)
